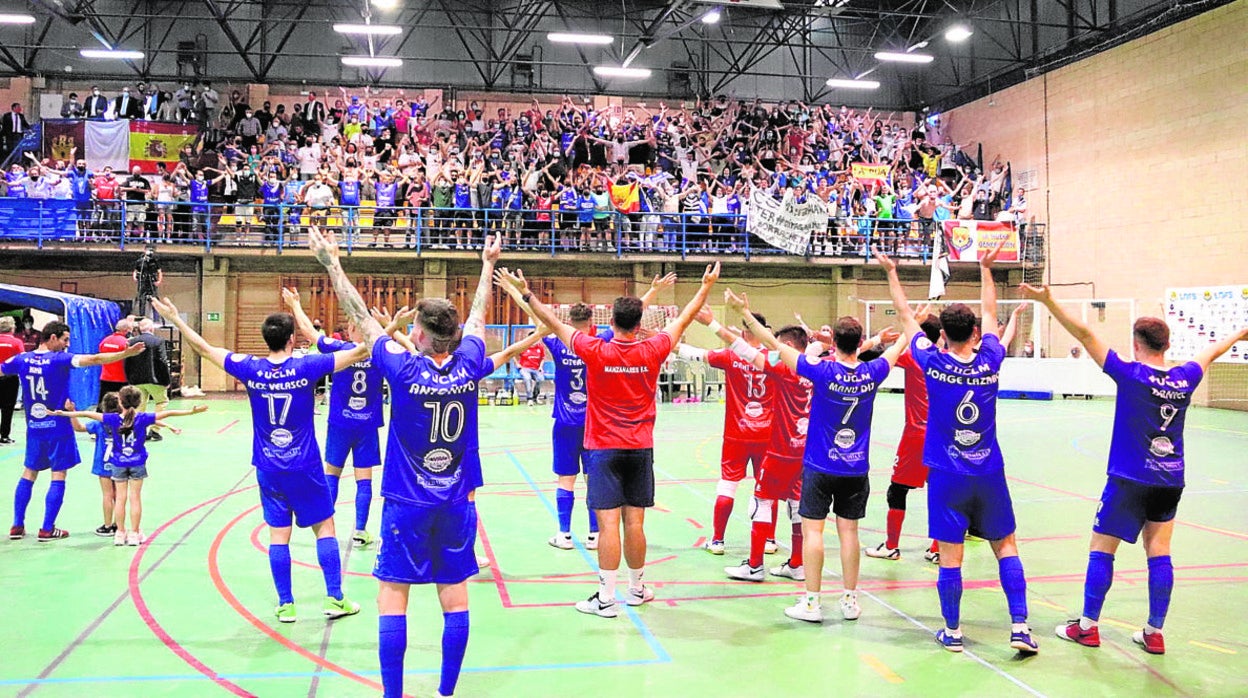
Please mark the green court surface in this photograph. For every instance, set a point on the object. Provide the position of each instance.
(190, 613)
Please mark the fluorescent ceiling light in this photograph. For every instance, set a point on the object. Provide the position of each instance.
(853, 84)
(371, 29)
(903, 57)
(711, 17)
(574, 38)
(110, 53)
(612, 71)
(385, 4)
(17, 19)
(957, 33)
(372, 62)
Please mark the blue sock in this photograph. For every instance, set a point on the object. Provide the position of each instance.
(454, 642)
(391, 646)
(363, 499)
(52, 504)
(1014, 584)
(333, 481)
(593, 518)
(564, 499)
(331, 565)
(21, 500)
(1096, 585)
(1160, 584)
(279, 565)
(949, 586)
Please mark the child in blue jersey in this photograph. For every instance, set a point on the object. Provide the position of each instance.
(355, 415)
(44, 375)
(1146, 464)
(100, 467)
(966, 480)
(281, 390)
(125, 454)
(835, 462)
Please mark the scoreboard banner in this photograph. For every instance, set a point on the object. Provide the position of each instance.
(1201, 315)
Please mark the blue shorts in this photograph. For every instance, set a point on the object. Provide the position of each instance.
(360, 442)
(58, 453)
(102, 469)
(1127, 505)
(427, 545)
(301, 492)
(619, 477)
(957, 502)
(568, 441)
(123, 474)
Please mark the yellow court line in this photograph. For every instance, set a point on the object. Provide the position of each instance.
(1219, 482)
(1046, 604)
(1215, 648)
(881, 668)
(1120, 624)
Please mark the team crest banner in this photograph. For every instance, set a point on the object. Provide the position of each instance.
(969, 241)
(64, 139)
(786, 224)
(153, 142)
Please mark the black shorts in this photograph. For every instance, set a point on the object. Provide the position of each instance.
(602, 224)
(461, 214)
(845, 495)
(568, 221)
(109, 387)
(384, 218)
(619, 477)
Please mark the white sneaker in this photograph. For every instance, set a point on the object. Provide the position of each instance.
(594, 606)
(563, 541)
(770, 547)
(784, 570)
(714, 547)
(883, 553)
(637, 597)
(591, 541)
(119, 538)
(746, 573)
(849, 606)
(483, 561)
(932, 557)
(132, 538)
(811, 613)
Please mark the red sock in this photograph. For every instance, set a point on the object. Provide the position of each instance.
(795, 559)
(893, 537)
(758, 537)
(723, 509)
(935, 547)
(771, 528)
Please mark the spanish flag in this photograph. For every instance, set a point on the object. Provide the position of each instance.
(153, 142)
(625, 197)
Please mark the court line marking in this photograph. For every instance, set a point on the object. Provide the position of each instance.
(886, 672)
(226, 428)
(1215, 648)
(329, 627)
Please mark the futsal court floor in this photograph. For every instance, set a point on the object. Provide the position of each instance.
(190, 613)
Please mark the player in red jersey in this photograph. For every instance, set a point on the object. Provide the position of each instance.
(113, 376)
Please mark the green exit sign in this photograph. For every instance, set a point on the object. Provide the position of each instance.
(214, 317)
(887, 311)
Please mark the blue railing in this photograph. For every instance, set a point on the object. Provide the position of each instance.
(53, 222)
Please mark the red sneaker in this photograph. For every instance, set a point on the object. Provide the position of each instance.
(1071, 631)
(17, 532)
(54, 534)
(1153, 642)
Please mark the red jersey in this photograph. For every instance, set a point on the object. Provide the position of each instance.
(622, 377)
(105, 187)
(531, 358)
(791, 411)
(116, 371)
(10, 346)
(916, 392)
(748, 416)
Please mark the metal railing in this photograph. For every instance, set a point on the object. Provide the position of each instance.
(281, 226)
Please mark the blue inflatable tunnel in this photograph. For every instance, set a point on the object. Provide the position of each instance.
(90, 320)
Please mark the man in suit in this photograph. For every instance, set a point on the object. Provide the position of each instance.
(126, 106)
(313, 115)
(97, 104)
(13, 127)
(150, 94)
(72, 108)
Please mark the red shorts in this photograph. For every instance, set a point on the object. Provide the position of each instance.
(736, 454)
(908, 468)
(780, 479)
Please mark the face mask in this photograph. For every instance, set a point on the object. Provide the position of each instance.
(82, 168)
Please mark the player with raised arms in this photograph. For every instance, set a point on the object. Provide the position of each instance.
(44, 376)
(966, 479)
(432, 462)
(622, 377)
(281, 391)
(1146, 464)
(355, 415)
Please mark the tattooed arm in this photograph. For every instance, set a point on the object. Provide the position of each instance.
(475, 324)
(325, 247)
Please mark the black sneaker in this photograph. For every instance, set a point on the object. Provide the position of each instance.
(6, 440)
(154, 436)
(105, 531)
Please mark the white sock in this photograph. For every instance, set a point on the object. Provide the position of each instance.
(812, 598)
(1019, 627)
(850, 592)
(1149, 630)
(1086, 623)
(606, 585)
(953, 632)
(634, 578)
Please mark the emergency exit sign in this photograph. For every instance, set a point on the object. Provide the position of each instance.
(887, 311)
(214, 317)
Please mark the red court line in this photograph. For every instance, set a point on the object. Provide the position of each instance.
(699, 542)
(494, 570)
(548, 577)
(148, 619)
(224, 589)
(694, 523)
(223, 429)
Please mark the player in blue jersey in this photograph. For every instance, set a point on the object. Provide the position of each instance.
(835, 462)
(1146, 464)
(281, 389)
(44, 376)
(966, 479)
(355, 415)
(428, 519)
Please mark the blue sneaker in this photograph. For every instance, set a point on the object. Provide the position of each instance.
(949, 642)
(1024, 642)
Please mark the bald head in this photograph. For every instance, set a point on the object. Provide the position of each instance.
(146, 325)
(7, 325)
(124, 325)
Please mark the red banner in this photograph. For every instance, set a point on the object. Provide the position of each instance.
(153, 142)
(969, 241)
(60, 137)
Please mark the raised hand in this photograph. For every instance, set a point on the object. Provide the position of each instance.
(991, 257)
(884, 260)
(515, 279)
(135, 349)
(382, 315)
(739, 303)
(290, 296)
(493, 248)
(661, 282)
(704, 315)
(324, 246)
(711, 275)
(888, 335)
(1040, 294)
(165, 307)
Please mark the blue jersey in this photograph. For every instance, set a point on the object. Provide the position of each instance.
(80, 185)
(1149, 413)
(585, 209)
(386, 194)
(961, 407)
(842, 401)
(272, 193)
(432, 454)
(349, 192)
(570, 392)
(355, 397)
(199, 191)
(100, 464)
(282, 397)
(17, 185)
(463, 196)
(128, 450)
(45, 387)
